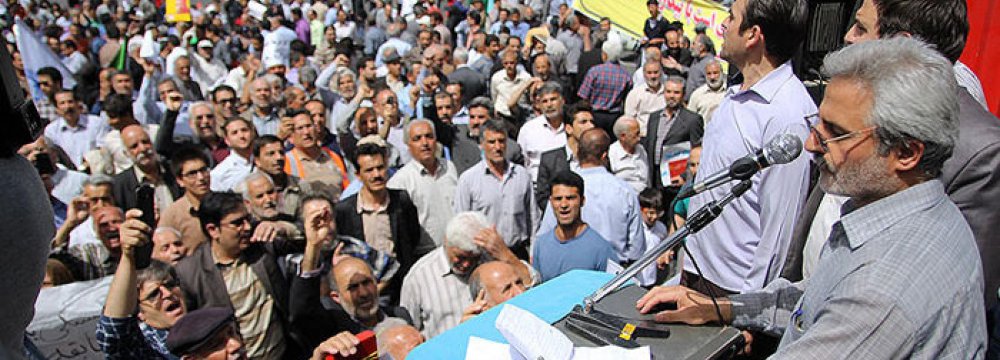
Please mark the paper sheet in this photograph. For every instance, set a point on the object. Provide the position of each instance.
(533, 337)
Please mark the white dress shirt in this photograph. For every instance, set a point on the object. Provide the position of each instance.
(230, 172)
(631, 168)
(536, 137)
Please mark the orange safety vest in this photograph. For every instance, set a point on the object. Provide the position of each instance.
(294, 167)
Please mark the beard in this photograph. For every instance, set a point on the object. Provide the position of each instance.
(715, 84)
(866, 179)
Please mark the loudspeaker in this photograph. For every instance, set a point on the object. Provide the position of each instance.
(19, 120)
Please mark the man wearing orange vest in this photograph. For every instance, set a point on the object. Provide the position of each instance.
(311, 162)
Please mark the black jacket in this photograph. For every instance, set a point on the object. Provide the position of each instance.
(405, 224)
(688, 126)
(551, 163)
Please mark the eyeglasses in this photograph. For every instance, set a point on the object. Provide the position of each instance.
(814, 119)
(229, 100)
(246, 219)
(157, 292)
(194, 173)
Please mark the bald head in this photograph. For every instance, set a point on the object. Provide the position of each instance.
(399, 340)
(593, 148)
(356, 289)
(498, 280)
(139, 146)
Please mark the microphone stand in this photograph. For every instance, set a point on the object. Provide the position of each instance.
(698, 220)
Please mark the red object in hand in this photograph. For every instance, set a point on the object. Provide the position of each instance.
(367, 348)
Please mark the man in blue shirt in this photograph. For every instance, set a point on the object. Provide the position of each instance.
(612, 207)
(572, 244)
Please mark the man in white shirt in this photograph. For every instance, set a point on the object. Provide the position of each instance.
(239, 135)
(207, 70)
(627, 157)
(545, 132)
(430, 182)
(647, 98)
(707, 97)
(74, 132)
(503, 83)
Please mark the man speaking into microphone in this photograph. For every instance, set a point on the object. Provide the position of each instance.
(900, 274)
(744, 249)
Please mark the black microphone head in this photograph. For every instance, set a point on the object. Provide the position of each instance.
(782, 149)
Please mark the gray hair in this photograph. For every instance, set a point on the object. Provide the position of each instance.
(914, 95)
(549, 87)
(463, 228)
(307, 75)
(406, 129)
(676, 79)
(613, 49)
(271, 78)
(460, 56)
(98, 180)
(157, 271)
(243, 187)
(339, 73)
(198, 104)
(483, 102)
(623, 123)
(167, 229)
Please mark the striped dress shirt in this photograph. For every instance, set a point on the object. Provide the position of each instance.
(434, 296)
(898, 278)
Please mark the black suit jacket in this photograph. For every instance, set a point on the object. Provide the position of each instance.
(319, 323)
(405, 226)
(688, 126)
(551, 163)
(473, 83)
(970, 178)
(202, 284)
(125, 185)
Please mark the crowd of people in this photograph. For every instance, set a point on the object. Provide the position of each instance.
(318, 169)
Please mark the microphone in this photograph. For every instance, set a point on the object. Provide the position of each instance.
(782, 149)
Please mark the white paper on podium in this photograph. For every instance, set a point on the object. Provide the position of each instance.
(482, 349)
(533, 338)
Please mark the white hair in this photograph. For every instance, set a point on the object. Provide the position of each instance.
(613, 49)
(406, 130)
(199, 104)
(622, 125)
(463, 228)
(914, 95)
(243, 187)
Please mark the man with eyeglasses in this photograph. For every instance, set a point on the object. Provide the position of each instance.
(233, 271)
(49, 81)
(227, 105)
(124, 333)
(900, 274)
(193, 175)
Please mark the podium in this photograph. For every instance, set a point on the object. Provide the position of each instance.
(554, 299)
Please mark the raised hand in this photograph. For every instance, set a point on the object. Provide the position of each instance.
(477, 307)
(342, 344)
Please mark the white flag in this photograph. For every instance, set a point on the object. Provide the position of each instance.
(36, 55)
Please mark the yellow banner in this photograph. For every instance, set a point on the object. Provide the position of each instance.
(178, 11)
(629, 16)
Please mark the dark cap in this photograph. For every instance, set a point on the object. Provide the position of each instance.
(196, 328)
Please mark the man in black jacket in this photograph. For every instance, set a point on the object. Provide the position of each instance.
(673, 125)
(384, 219)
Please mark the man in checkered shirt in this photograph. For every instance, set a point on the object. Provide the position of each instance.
(900, 275)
